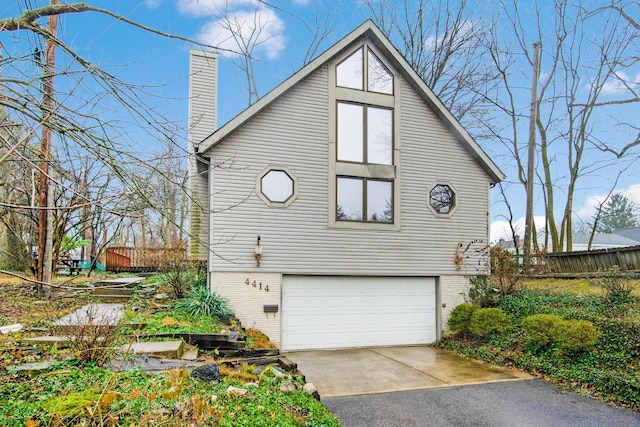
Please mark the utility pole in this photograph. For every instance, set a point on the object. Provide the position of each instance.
(45, 190)
(533, 119)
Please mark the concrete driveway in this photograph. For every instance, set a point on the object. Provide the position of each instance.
(386, 369)
(425, 386)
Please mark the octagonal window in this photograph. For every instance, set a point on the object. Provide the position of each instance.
(277, 186)
(442, 199)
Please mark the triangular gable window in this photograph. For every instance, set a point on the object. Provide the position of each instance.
(378, 77)
(350, 73)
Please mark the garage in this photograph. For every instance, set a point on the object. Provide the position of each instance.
(322, 312)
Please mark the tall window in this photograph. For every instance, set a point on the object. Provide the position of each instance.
(365, 170)
(365, 134)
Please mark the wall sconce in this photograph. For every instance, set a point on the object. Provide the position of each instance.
(258, 252)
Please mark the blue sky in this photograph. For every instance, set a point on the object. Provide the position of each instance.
(161, 65)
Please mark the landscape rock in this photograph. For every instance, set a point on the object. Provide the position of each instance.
(170, 349)
(16, 327)
(190, 354)
(234, 391)
(208, 373)
(273, 372)
(312, 390)
(287, 387)
(234, 336)
(32, 368)
(148, 363)
(161, 297)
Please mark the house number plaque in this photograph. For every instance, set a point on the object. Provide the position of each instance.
(256, 285)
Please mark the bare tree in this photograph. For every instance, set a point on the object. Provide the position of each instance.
(73, 123)
(442, 41)
(582, 85)
(251, 32)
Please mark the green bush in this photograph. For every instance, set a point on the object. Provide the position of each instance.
(575, 336)
(202, 302)
(608, 372)
(488, 321)
(460, 319)
(539, 326)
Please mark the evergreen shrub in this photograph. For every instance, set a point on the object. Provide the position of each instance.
(460, 319)
(489, 321)
(539, 326)
(575, 336)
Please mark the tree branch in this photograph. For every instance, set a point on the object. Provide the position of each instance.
(28, 21)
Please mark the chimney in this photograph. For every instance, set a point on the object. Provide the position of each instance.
(203, 90)
(203, 93)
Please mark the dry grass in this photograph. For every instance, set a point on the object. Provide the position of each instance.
(258, 339)
(573, 286)
(20, 303)
(245, 373)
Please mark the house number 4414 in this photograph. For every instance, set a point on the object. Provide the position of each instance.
(257, 285)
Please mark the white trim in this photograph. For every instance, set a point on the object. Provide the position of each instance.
(455, 199)
(265, 199)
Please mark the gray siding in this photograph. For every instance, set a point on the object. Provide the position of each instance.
(293, 132)
(202, 122)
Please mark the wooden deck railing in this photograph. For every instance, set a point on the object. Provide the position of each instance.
(133, 259)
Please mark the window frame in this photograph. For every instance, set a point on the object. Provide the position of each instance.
(265, 198)
(365, 132)
(433, 210)
(365, 73)
(365, 199)
(362, 170)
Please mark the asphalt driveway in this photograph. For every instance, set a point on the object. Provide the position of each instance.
(500, 404)
(425, 386)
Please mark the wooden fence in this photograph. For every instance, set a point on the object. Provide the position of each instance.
(132, 259)
(600, 260)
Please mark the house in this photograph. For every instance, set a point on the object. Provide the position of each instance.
(346, 208)
(513, 246)
(616, 239)
(632, 233)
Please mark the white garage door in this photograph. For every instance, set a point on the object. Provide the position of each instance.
(339, 312)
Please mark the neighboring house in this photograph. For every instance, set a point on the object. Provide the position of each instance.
(632, 233)
(615, 239)
(510, 245)
(345, 208)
